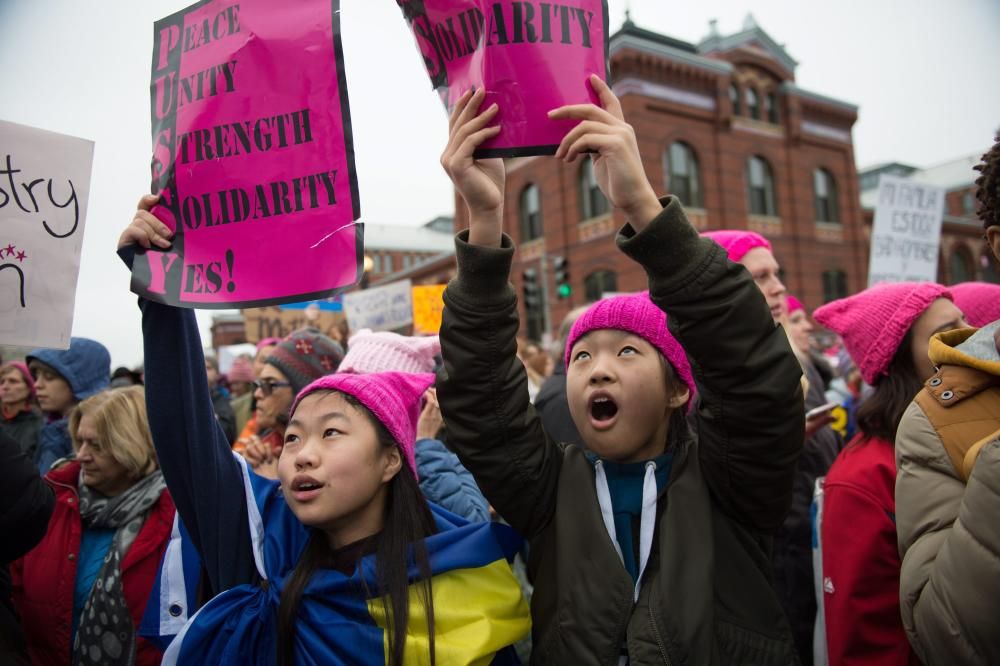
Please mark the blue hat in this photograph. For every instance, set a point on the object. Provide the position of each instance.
(86, 365)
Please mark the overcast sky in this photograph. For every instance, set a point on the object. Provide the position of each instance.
(924, 73)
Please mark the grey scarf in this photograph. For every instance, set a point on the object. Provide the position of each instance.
(105, 634)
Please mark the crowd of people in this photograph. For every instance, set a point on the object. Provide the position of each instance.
(665, 485)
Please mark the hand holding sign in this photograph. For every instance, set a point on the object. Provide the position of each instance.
(146, 229)
(617, 164)
(480, 182)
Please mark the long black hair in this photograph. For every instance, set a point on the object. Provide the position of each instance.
(879, 415)
(400, 544)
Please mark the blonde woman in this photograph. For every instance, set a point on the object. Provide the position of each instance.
(82, 591)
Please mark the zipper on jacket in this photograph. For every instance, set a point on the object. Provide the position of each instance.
(659, 639)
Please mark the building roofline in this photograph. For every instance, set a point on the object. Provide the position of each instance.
(623, 40)
(430, 262)
(791, 88)
(730, 42)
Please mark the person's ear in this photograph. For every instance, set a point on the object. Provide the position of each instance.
(993, 238)
(680, 397)
(393, 462)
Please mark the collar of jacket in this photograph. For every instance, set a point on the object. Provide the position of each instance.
(943, 351)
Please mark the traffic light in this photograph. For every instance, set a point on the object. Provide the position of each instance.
(532, 292)
(563, 287)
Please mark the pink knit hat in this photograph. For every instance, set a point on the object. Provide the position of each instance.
(241, 370)
(737, 243)
(637, 314)
(393, 397)
(23, 369)
(389, 352)
(979, 301)
(874, 322)
(794, 304)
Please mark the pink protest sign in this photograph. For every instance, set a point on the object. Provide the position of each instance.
(530, 56)
(252, 156)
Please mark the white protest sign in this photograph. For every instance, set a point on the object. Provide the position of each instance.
(906, 232)
(380, 309)
(44, 184)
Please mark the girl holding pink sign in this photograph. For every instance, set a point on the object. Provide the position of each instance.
(650, 544)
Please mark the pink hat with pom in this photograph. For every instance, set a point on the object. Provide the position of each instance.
(874, 322)
(979, 301)
(737, 243)
(392, 397)
(634, 313)
(794, 304)
(384, 351)
(241, 370)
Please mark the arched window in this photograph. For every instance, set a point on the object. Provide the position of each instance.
(531, 213)
(599, 283)
(683, 179)
(825, 196)
(960, 266)
(734, 98)
(760, 182)
(753, 104)
(834, 285)
(592, 201)
(771, 106)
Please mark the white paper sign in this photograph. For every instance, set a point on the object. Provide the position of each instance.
(906, 232)
(380, 309)
(44, 185)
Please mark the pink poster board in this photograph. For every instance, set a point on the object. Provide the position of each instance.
(252, 156)
(531, 57)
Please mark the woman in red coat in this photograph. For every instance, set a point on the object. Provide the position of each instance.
(886, 330)
(82, 591)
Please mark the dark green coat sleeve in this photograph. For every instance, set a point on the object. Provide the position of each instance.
(750, 421)
(483, 391)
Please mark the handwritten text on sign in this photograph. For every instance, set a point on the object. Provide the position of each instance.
(381, 308)
(530, 56)
(44, 183)
(252, 156)
(906, 232)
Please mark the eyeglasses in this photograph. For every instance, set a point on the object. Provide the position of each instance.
(267, 385)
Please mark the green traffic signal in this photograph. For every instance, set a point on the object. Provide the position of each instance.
(565, 291)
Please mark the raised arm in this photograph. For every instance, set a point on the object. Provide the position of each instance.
(205, 480)
(750, 419)
(482, 387)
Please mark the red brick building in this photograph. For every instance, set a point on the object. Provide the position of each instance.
(723, 125)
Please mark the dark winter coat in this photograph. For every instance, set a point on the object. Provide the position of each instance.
(26, 503)
(706, 596)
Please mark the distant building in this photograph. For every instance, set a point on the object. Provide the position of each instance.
(964, 255)
(424, 254)
(722, 125)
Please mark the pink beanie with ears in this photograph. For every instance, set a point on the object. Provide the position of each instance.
(794, 304)
(392, 397)
(634, 313)
(874, 322)
(737, 243)
(979, 301)
(389, 352)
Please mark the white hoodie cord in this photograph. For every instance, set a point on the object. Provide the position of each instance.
(647, 520)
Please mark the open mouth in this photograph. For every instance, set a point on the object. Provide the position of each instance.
(305, 488)
(603, 410)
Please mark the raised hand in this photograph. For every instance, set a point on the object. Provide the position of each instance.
(145, 229)
(617, 165)
(480, 182)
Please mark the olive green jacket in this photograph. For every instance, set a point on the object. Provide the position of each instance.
(706, 596)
